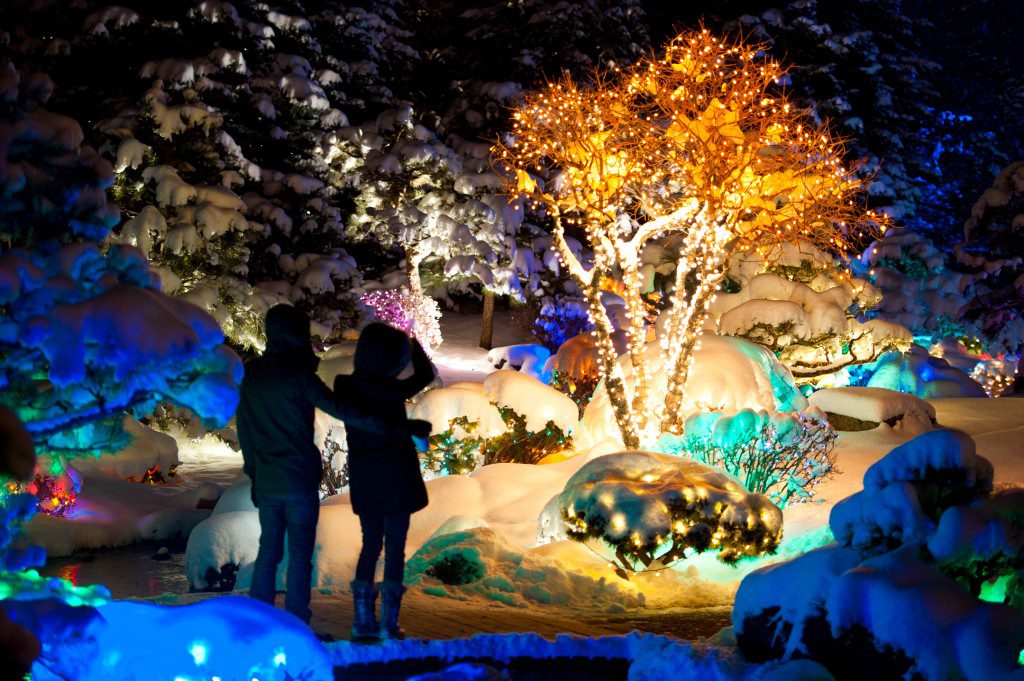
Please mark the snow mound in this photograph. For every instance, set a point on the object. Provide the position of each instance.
(230, 538)
(728, 375)
(876, 405)
(529, 358)
(920, 374)
(147, 450)
(232, 637)
(532, 399)
(441, 405)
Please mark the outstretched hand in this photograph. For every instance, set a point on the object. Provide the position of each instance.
(420, 431)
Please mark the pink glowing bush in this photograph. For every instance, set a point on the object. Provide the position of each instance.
(417, 315)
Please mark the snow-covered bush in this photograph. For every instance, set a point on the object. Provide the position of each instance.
(795, 301)
(898, 595)
(654, 509)
(416, 315)
(921, 374)
(574, 369)
(852, 408)
(472, 429)
(919, 290)
(781, 455)
(560, 320)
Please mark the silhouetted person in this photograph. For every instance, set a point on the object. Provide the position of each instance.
(279, 394)
(384, 470)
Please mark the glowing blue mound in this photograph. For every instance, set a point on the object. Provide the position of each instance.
(231, 638)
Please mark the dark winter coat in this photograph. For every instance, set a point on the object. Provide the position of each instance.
(278, 397)
(384, 470)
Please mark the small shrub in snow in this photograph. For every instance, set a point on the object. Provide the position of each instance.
(460, 449)
(579, 390)
(654, 509)
(417, 315)
(454, 451)
(456, 568)
(559, 321)
(781, 455)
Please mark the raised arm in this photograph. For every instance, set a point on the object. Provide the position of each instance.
(422, 372)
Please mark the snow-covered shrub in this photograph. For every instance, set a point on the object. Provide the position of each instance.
(919, 290)
(918, 373)
(797, 303)
(898, 595)
(574, 369)
(654, 509)
(781, 455)
(483, 425)
(417, 315)
(560, 320)
(996, 376)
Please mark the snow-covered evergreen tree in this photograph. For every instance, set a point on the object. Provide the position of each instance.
(53, 185)
(431, 203)
(233, 101)
(858, 65)
(993, 250)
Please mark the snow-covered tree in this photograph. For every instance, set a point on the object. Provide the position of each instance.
(478, 56)
(993, 251)
(235, 99)
(53, 184)
(729, 165)
(431, 203)
(927, 532)
(796, 301)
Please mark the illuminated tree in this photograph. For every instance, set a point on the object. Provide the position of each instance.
(699, 143)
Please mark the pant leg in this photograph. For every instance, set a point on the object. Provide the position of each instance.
(302, 513)
(372, 526)
(396, 529)
(272, 527)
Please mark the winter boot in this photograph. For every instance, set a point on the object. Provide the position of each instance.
(391, 603)
(364, 618)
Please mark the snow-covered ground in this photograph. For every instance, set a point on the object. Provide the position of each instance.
(460, 357)
(112, 511)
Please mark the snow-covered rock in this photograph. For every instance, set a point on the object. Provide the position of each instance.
(873, 406)
(532, 399)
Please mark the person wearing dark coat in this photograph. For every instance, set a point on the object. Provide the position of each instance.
(384, 470)
(278, 398)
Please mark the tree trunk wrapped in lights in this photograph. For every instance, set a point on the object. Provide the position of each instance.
(698, 142)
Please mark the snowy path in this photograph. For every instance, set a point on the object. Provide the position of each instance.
(460, 357)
